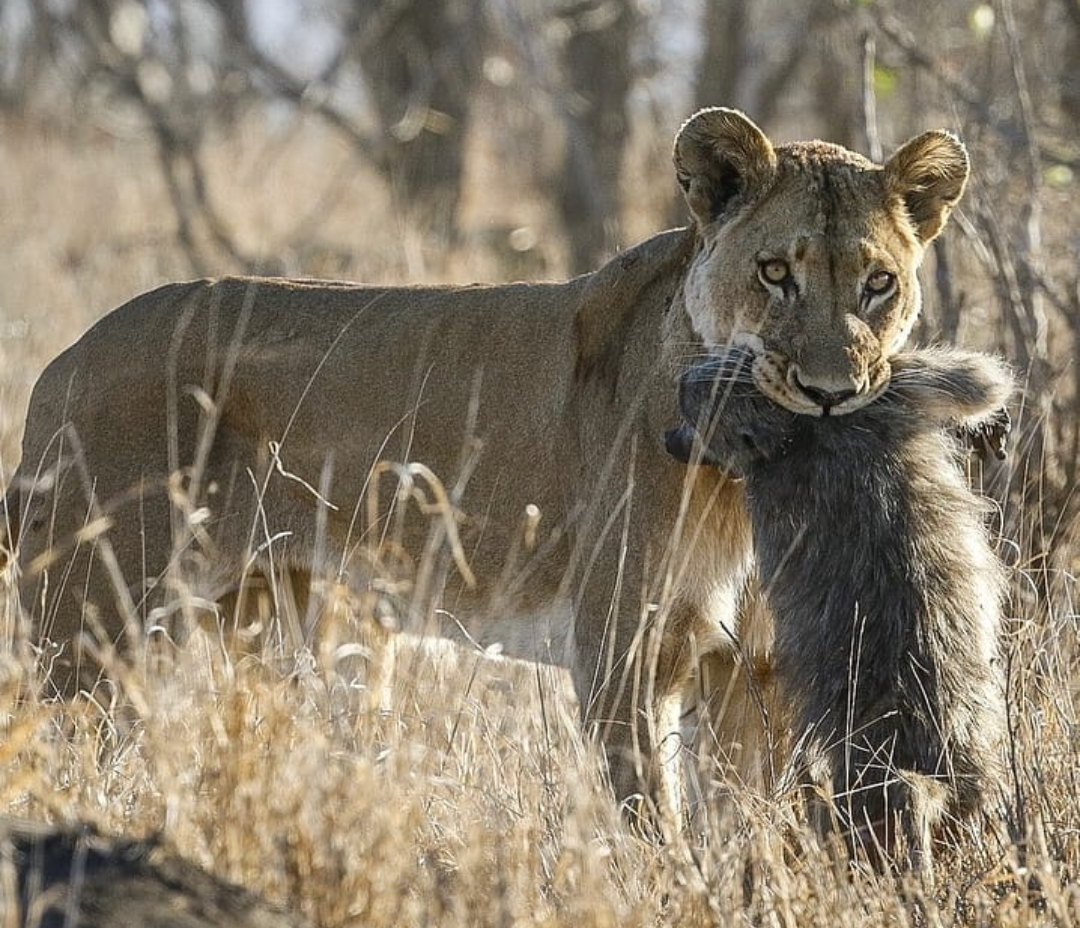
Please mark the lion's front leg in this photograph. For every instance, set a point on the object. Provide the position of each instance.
(632, 695)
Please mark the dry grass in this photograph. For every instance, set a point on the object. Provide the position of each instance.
(474, 800)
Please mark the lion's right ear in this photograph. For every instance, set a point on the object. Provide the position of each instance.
(721, 160)
(928, 173)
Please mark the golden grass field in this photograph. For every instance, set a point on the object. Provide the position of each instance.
(472, 799)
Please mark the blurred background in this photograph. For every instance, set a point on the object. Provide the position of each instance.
(426, 140)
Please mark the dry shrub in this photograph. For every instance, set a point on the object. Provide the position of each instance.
(474, 799)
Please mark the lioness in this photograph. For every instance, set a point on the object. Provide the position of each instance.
(887, 622)
(260, 408)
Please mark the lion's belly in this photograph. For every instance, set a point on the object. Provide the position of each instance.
(543, 635)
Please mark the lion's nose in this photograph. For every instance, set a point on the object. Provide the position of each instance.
(826, 399)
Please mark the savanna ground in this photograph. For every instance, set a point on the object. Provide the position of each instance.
(471, 799)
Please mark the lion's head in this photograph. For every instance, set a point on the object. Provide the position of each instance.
(809, 253)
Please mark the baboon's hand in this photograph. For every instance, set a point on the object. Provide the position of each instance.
(987, 437)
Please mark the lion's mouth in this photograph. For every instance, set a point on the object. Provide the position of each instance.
(777, 378)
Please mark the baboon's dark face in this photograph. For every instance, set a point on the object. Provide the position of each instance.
(736, 428)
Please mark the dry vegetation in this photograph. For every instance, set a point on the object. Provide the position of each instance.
(473, 800)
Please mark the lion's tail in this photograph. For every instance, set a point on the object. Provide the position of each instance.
(9, 527)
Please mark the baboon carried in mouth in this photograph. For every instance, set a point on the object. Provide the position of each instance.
(875, 560)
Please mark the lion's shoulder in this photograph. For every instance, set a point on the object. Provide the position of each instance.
(638, 280)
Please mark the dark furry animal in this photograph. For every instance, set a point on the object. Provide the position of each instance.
(875, 560)
(76, 878)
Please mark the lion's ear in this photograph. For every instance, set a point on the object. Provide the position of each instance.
(721, 160)
(928, 173)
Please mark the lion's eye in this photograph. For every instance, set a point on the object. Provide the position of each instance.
(880, 283)
(774, 271)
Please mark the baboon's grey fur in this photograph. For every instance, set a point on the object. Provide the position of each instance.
(874, 556)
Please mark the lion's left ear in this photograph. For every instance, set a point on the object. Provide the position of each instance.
(722, 161)
(928, 173)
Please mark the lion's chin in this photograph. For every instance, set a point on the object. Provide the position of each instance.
(860, 400)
